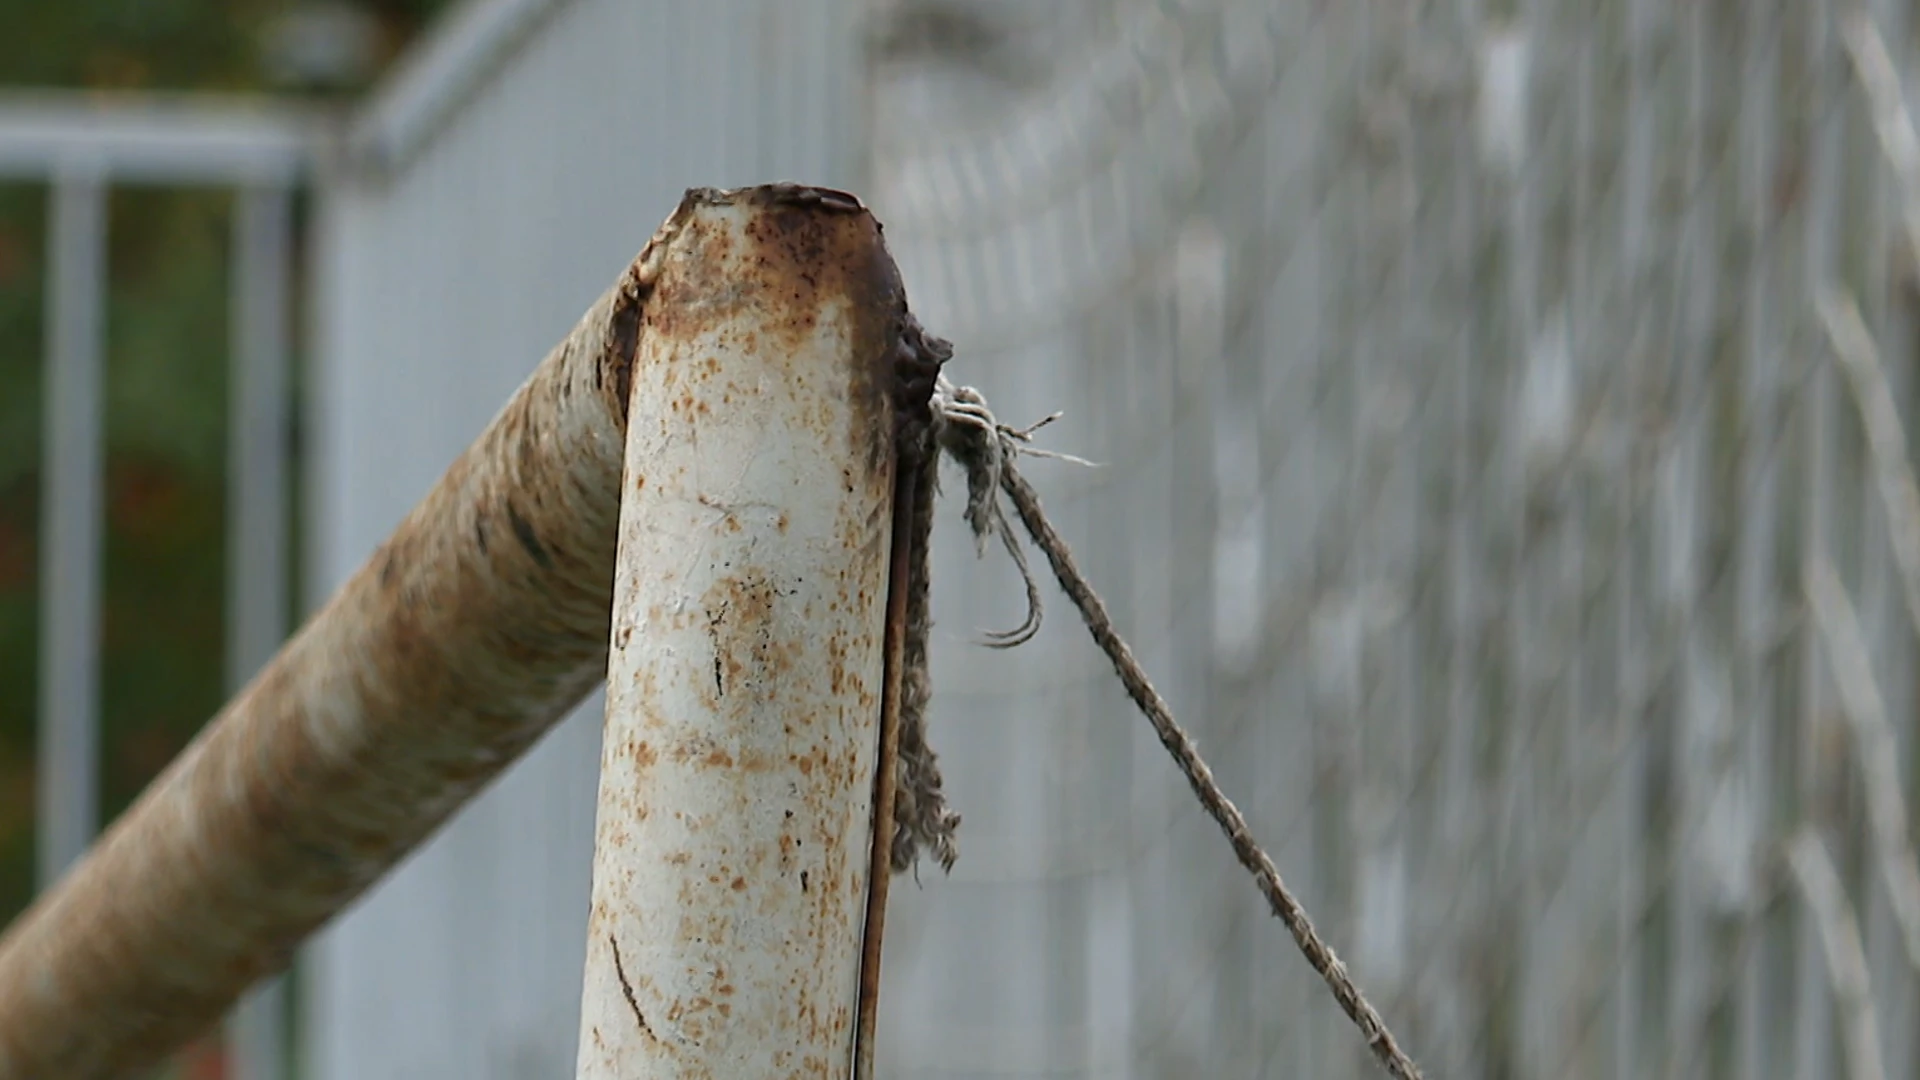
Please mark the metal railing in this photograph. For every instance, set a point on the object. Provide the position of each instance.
(745, 446)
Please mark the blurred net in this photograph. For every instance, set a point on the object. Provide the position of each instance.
(1468, 423)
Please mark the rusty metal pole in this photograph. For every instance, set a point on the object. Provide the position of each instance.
(478, 624)
(746, 674)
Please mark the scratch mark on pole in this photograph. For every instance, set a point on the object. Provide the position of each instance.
(626, 988)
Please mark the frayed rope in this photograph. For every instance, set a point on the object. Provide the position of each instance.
(964, 429)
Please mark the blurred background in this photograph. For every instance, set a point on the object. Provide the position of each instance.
(1482, 389)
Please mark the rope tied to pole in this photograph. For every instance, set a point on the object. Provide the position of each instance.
(965, 430)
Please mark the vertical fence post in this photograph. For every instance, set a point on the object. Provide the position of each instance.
(70, 498)
(746, 666)
(257, 527)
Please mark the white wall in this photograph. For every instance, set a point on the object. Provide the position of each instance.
(440, 291)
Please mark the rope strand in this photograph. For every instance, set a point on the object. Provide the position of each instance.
(967, 431)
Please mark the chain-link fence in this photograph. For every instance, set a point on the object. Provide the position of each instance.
(1470, 430)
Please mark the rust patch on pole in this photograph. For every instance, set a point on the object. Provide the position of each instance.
(479, 623)
(745, 681)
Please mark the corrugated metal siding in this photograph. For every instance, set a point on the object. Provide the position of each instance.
(441, 289)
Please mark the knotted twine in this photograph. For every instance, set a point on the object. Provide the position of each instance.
(965, 430)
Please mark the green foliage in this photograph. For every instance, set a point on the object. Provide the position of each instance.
(20, 302)
(166, 433)
(160, 44)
